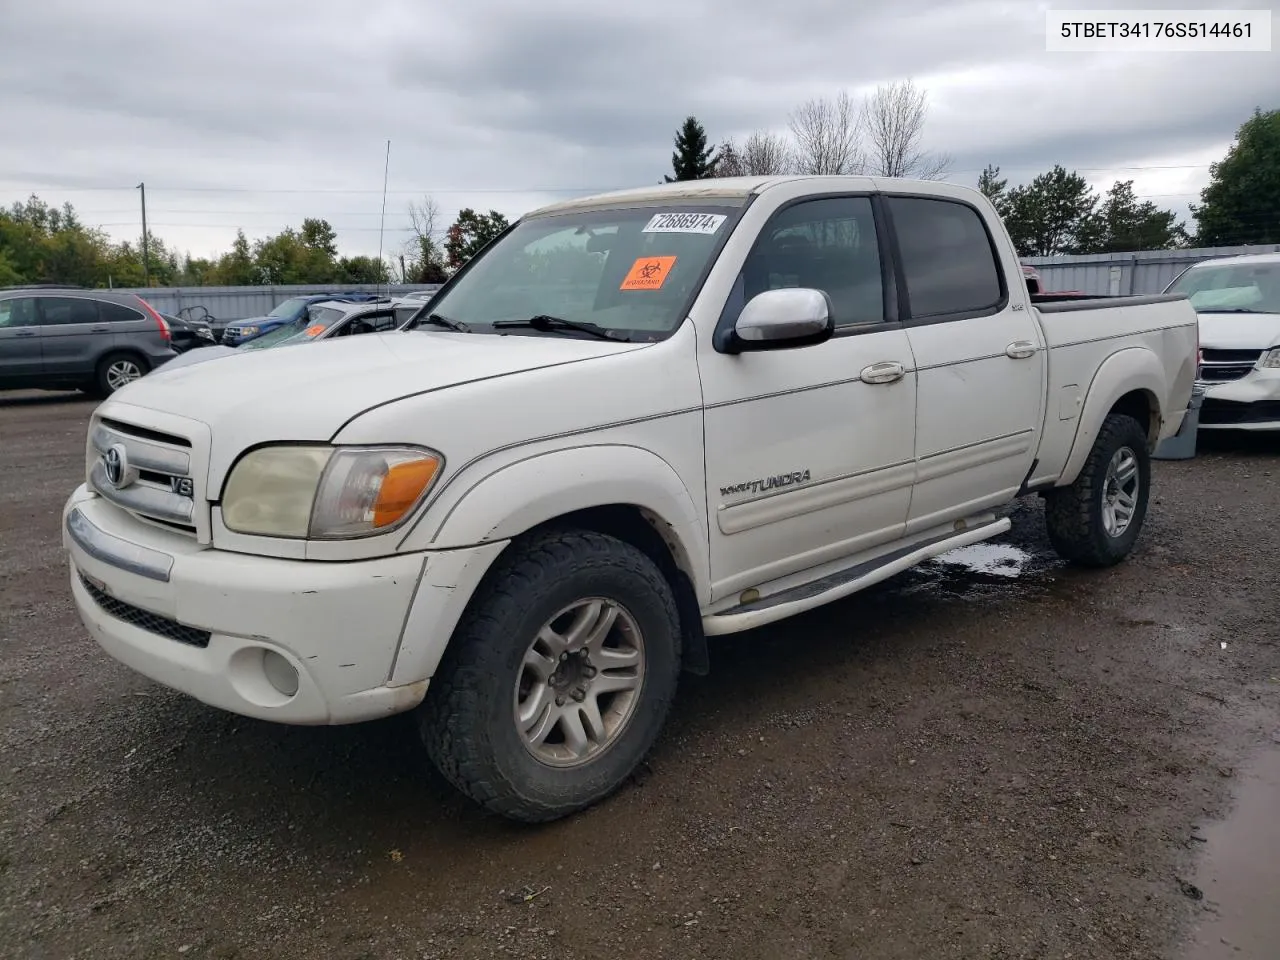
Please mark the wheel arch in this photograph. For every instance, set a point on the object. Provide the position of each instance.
(625, 492)
(1130, 381)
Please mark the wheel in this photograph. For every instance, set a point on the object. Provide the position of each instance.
(117, 370)
(558, 679)
(1096, 521)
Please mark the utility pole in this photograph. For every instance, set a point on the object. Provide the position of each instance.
(382, 224)
(146, 259)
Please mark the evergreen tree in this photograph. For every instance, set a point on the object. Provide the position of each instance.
(693, 158)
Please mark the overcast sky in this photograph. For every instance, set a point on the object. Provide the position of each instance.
(256, 113)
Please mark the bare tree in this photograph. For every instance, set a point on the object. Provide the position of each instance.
(893, 118)
(425, 246)
(766, 154)
(728, 160)
(827, 136)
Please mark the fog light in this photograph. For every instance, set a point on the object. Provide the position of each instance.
(280, 673)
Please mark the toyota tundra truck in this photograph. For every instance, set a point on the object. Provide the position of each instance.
(632, 422)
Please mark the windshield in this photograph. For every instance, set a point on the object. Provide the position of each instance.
(630, 271)
(1247, 287)
(288, 308)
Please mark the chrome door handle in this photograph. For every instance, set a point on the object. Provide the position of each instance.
(889, 371)
(1021, 349)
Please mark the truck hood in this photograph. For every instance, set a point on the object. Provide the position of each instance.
(1240, 331)
(308, 394)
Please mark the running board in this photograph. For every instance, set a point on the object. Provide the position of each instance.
(844, 583)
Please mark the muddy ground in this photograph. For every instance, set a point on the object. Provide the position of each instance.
(957, 764)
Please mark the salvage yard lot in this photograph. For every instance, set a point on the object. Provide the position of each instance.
(955, 764)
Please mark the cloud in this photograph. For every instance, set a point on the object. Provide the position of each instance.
(256, 114)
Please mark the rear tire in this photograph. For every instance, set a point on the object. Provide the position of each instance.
(558, 679)
(1096, 521)
(117, 370)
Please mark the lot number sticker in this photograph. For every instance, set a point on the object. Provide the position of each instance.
(648, 273)
(685, 223)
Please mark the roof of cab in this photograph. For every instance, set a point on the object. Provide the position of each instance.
(709, 189)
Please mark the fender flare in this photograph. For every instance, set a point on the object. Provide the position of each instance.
(521, 495)
(1127, 370)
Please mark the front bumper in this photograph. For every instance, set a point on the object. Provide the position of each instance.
(206, 621)
(1250, 403)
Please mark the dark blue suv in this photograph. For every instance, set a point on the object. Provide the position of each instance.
(292, 310)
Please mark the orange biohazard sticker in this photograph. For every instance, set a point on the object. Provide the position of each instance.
(313, 331)
(648, 273)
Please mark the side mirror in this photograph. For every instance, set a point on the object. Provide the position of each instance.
(1033, 286)
(777, 319)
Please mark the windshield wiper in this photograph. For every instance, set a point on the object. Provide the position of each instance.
(1230, 310)
(442, 321)
(544, 322)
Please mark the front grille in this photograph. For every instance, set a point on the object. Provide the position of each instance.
(1225, 413)
(159, 487)
(1222, 366)
(145, 619)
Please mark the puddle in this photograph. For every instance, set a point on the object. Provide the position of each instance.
(987, 559)
(1239, 873)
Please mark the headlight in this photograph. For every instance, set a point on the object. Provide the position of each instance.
(1270, 360)
(326, 493)
(248, 331)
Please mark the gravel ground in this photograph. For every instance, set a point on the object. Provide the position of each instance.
(959, 763)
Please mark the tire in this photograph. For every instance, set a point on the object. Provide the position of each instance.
(109, 375)
(1079, 517)
(469, 721)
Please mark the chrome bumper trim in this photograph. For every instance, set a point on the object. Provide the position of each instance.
(139, 498)
(119, 553)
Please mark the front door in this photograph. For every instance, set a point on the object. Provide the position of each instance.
(980, 360)
(808, 450)
(20, 358)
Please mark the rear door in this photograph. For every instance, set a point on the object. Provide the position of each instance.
(20, 356)
(73, 336)
(980, 358)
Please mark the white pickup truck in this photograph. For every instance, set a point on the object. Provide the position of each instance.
(632, 421)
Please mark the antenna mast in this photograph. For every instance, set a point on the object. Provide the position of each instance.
(382, 224)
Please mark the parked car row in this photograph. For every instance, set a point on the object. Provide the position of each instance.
(61, 337)
(323, 321)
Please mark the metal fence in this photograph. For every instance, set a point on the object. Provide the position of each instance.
(236, 303)
(1124, 274)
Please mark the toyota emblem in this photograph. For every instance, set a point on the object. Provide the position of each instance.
(115, 462)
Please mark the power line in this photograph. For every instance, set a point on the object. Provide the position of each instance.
(339, 191)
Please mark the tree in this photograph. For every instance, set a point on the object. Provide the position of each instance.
(827, 136)
(362, 269)
(1053, 214)
(693, 159)
(893, 120)
(729, 161)
(766, 154)
(1241, 204)
(995, 189)
(469, 233)
(1122, 224)
(319, 235)
(426, 255)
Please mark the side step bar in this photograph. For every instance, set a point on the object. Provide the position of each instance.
(837, 586)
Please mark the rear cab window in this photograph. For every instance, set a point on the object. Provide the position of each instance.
(949, 260)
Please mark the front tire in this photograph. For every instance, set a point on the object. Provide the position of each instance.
(1096, 521)
(558, 679)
